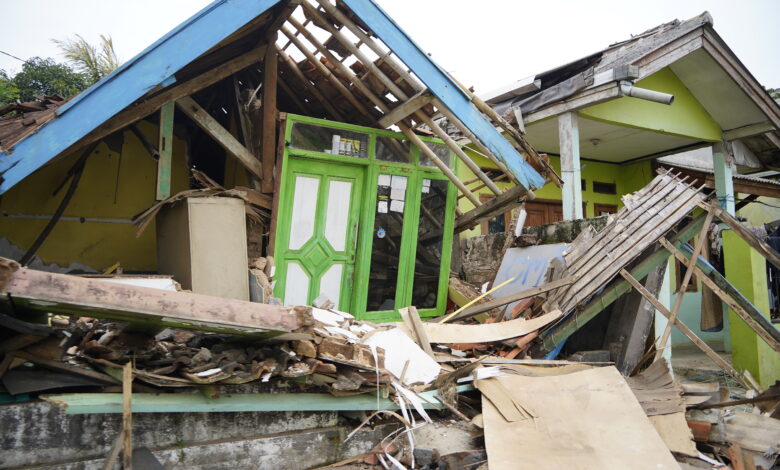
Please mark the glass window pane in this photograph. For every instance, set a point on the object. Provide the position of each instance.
(328, 140)
(386, 244)
(430, 238)
(440, 150)
(389, 149)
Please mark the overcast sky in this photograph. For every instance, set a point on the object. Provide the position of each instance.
(484, 43)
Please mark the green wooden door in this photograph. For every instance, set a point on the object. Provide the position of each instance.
(319, 215)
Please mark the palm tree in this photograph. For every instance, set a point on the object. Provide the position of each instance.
(93, 61)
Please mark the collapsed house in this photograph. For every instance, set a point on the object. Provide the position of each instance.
(245, 202)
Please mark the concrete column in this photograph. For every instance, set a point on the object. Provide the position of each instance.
(569, 139)
(724, 169)
(665, 297)
(746, 270)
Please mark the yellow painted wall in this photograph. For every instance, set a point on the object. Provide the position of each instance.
(627, 178)
(110, 188)
(685, 117)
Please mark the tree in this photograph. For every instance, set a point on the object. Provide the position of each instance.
(774, 93)
(8, 89)
(93, 61)
(47, 77)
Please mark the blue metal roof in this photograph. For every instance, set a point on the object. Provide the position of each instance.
(159, 62)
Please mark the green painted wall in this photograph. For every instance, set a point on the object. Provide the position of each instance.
(113, 186)
(685, 117)
(746, 269)
(627, 179)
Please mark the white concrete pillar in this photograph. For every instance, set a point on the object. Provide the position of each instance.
(569, 139)
(723, 164)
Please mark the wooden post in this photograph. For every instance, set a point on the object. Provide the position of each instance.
(569, 139)
(165, 151)
(127, 415)
(724, 185)
(684, 329)
(689, 267)
(270, 74)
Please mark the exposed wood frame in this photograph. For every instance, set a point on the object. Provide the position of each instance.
(222, 136)
(406, 108)
(309, 86)
(708, 351)
(670, 53)
(146, 107)
(757, 322)
(689, 267)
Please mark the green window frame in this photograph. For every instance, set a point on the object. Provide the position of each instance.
(415, 171)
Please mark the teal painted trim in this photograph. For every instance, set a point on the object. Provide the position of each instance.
(571, 323)
(127, 84)
(90, 403)
(445, 88)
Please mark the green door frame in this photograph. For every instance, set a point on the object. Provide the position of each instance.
(371, 167)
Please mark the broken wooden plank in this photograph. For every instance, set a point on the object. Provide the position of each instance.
(487, 332)
(689, 268)
(532, 292)
(705, 348)
(165, 152)
(222, 136)
(406, 108)
(153, 308)
(412, 320)
(145, 107)
(127, 416)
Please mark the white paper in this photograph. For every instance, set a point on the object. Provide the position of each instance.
(426, 189)
(426, 183)
(382, 207)
(399, 194)
(384, 180)
(398, 182)
(399, 348)
(396, 205)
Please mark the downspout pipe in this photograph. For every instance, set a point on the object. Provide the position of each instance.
(628, 89)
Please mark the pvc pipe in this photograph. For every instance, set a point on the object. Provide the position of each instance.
(629, 89)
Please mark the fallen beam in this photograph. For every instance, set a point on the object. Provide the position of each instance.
(759, 245)
(532, 292)
(146, 308)
(225, 139)
(489, 209)
(406, 108)
(87, 403)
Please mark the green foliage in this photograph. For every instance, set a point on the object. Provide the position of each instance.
(774, 93)
(8, 90)
(47, 77)
(93, 61)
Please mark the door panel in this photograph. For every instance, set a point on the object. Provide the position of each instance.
(318, 253)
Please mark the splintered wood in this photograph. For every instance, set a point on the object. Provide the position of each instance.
(648, 214)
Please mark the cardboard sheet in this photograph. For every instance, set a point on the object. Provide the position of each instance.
(488, 332)
(585, 420)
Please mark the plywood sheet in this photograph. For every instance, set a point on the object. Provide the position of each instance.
(488, 332)
(585, 420)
